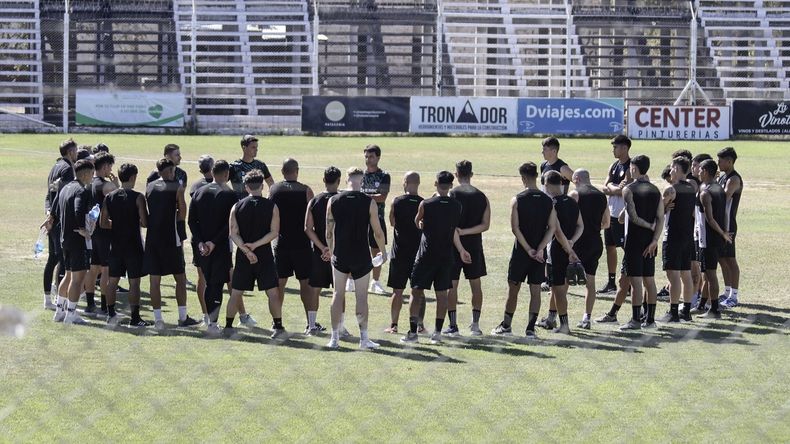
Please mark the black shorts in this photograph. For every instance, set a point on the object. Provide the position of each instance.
(709, 257)
(100, 251)
(522, 267)
(163, 261)
(216, 267)
(636, 265)
(356, 270)
(430, 272)
(557, 271)
(320, 272)
(677, 255)
(126, 264)
(372, 239)
(245, 274)
(76, 259)
(614, 236)
(475, 270)
(728, 250)
(290, 261)
(54, 244)
(589, 252)
(400, 271)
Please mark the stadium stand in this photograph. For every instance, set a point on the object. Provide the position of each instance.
(21, 86)
(743, 40)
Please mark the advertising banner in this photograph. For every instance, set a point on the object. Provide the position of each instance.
(129, 108)
(679, 122)
(475, 115)
(760, 117)
(571, 116)
(379, 114)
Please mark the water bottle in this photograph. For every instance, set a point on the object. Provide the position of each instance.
(378, 260)
(93, 214)
(41, 242)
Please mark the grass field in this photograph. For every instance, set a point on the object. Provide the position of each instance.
(719, 381)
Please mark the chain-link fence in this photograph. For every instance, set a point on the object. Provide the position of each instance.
(248, 63)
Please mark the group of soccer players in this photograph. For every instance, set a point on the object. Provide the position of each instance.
(338, 238)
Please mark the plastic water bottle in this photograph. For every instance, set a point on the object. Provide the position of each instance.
(378, 260)
(41, 242)
(93, 214)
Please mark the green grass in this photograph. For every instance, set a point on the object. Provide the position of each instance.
(706, 382)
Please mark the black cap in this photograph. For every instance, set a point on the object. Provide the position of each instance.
(444, 178)
(247, 138)
(622, 139)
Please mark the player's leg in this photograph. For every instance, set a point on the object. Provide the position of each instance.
(416, 299)
(477, 305)
(338, 305)
(396, 304)
(636, 303)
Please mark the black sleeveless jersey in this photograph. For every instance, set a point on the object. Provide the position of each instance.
(680, 220)
(473, 205)
(161, 196)
(732, 203)
(567, 215)
(209, 212)
(290, 197)
(592, 206)
(254, 219)
(441, 215)
(646, 197)
(407, 235)
(708, 237)
(556, 166)
(317, 206)
(351, 212)
(121, 207)
(534, 209)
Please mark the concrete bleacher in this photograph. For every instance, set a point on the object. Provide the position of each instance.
(640, 51)
(21, 86)
(386, 47)
(253, 60)
(746, 39)
(513, 48)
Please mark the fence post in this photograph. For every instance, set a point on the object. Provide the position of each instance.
(66, 26)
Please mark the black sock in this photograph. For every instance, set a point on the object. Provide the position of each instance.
(89, 299)
(508, 320)
(714, 305)
(702, 303)
(564, 319)
(552, 313)
(229, 322)
(476, 316)
(394, 325)
(644, 309)
(651, 313)
(451, 314)
(111, 310)
(612, 276)
(278, 323)
(686, 308)
(135, 312)
(533, 318)
(439, 324)
(103, 300)
(636, 312)
(614, 310)
(413, 324)
(673, 311)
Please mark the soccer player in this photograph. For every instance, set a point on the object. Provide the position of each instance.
(644, 220)
(552, 162)
(406, 241)
(247, 163)
(678, 247)
(438, 217)
(209, 216)
(61, 174)
(376, 184)
(614, 236)
(164, 253)
(173, 153)
(205, 166)
(315, 228)
(561, 253)
(292, 254)
(696, 267)
(475, 220)
(349, 215)
(254, 224)
(122, 215)
(711, 220)
(75, 235)
(102, 184)
(732, 183)
(533, 221)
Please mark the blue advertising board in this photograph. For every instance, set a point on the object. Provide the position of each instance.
(570, 116)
